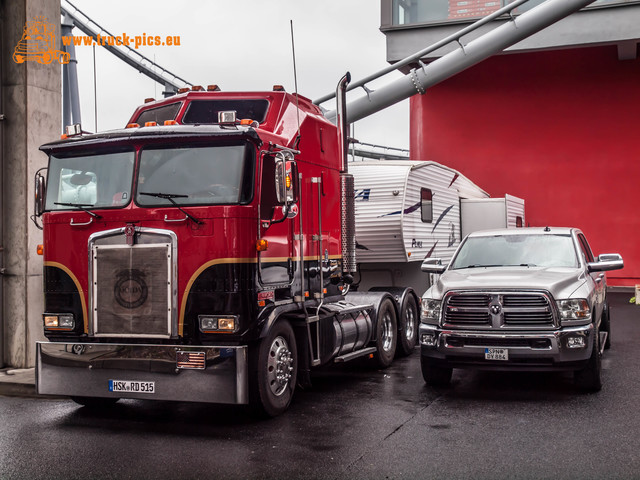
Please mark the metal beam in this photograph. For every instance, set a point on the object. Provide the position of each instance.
(419, 79)
(144, 65)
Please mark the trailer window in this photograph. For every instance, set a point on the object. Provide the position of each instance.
(92, 181)
(209, 175)
(426, 205)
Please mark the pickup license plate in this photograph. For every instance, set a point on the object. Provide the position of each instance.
(132, 386)
(496, 354)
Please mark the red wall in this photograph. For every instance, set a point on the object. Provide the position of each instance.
(560, 129)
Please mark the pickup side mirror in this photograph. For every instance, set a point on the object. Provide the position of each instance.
(433, 265)
(606, 261)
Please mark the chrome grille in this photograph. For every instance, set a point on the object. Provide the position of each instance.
(527, 310)
(468, 310)
(132, 290)
(498, 310)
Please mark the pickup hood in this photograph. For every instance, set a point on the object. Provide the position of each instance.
(560, 282)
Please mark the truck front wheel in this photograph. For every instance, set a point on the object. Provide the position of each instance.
(589, 378)
(435, 375)
(274, 371)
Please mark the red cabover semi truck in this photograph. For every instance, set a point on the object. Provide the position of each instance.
(204, 253)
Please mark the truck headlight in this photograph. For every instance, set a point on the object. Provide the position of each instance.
(58, 321)
(430, 311)
(574, 309)
(217, 323)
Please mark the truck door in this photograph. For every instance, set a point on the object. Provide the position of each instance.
(276, 260)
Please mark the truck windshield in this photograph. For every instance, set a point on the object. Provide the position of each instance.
(516, 250)
(90, 181)
(219, 175)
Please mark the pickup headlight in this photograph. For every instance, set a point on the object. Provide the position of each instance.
(574, 309)
(430, 311)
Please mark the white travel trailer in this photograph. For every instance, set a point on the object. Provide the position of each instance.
(405, 211)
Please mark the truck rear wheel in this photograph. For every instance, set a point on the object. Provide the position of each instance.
(589, 378)
(386, 334)
(408, 326)
(274, 371)
(435, 375)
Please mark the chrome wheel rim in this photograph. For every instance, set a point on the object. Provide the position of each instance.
(410, 323)
(387, 332)
(279, 366)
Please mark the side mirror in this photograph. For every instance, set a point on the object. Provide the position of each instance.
(606, 261)
(433, 265)
(40, 190)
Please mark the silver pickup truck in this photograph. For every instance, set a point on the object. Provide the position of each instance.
(518, 299)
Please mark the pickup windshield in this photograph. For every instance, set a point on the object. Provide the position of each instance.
(219, 175)
(516, 251)
(90, 181)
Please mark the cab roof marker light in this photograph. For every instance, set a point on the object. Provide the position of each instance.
(150, 124)
(170, 122)
(213, 88)
(133, 125)
(183, 90)
(149, 100)
(74, 129)
(197, 88)
(278, 88)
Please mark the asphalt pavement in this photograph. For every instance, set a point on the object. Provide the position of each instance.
(356, 422)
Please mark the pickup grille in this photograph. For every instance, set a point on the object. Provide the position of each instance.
(131, 293)
(498, 310)
(468, 310)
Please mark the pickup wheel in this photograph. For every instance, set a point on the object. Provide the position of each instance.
(95, 402)
(386, 334)
(274, 369)
(605, 325)
(408, 326)
(589, 378)
(435, 375)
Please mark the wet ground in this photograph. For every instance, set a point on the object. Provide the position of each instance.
(356, 422)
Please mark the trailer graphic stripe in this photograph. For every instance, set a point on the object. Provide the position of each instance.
(80, 291)
(442, 215)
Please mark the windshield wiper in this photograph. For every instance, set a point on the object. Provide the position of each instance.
(170, 197)
(81, 206)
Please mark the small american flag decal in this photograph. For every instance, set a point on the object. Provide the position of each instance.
(190, 360)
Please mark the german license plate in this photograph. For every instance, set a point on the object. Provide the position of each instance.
(131, 386)
(496, 354)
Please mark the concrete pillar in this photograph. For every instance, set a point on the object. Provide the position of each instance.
(31, 104)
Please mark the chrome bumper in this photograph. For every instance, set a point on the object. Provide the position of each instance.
(77, 369)
(534, 350)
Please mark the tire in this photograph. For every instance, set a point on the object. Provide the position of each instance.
(605, 325)
(95, 402)
(386, 334)
(408, 326)
(589, 378)
(274, 371)
(434, 375)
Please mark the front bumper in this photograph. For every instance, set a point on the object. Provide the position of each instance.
(85, 370)
(526, 350)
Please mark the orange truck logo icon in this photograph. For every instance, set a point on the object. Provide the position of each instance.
(38, 43)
